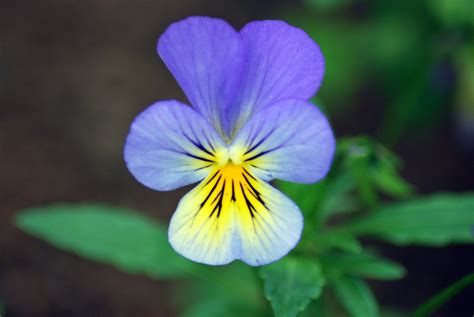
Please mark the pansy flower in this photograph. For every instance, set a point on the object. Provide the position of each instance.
(249, 122)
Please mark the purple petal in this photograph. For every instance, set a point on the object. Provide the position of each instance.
(205, 56)
(290, 140)
(283, 62)
(170, 145)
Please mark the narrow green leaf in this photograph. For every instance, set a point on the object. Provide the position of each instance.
(364, 265)
(442, 297)
(388, 180)
(374, 169)
(291, 284)
(116, 236)
(358, 155)
(434, 220)
(355, 295)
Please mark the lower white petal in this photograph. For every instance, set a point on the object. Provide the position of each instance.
(233, 215)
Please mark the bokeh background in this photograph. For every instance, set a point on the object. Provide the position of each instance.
(74, 74)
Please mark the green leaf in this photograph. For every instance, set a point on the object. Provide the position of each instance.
(291, 284)
(111, 235)
(373, 168)
(355, 295)
(442, 297)
(434, 220)
(364, 265)
(315, 308)
(384, 173)
(388, 180)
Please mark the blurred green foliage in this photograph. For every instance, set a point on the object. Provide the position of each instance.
(362, 169)
(363, 264)
(355, 295)
(231, 290)
(400, 52)
(457, 13)
(325, 274)
(117, 236)
(435, 220)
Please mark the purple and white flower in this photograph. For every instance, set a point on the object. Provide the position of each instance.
(250, 122)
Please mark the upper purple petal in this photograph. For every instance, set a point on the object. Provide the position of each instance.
(282, 61)
(205, 56)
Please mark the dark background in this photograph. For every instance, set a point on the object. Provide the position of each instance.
(74, 74)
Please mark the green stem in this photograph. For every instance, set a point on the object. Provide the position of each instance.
(442, 297)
